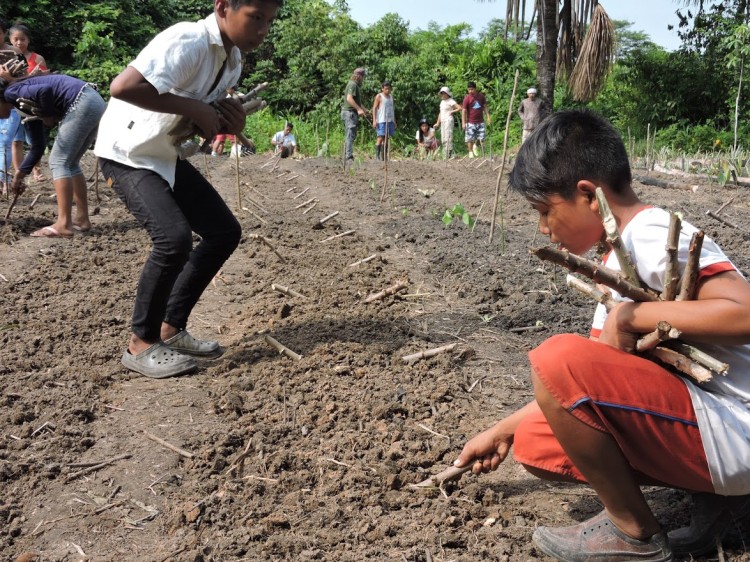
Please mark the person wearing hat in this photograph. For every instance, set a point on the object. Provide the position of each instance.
(448, 106)
(532, 111)
(352, 110)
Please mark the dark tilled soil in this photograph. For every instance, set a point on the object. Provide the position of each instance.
(294, 460)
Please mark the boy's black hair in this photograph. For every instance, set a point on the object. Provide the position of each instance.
(236, 4)
(569, 146)
(471, 85)
(3, 24)
(385, 83)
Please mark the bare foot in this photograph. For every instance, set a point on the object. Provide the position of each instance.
(82, 226)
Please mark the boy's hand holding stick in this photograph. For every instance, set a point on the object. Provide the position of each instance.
(185, 129)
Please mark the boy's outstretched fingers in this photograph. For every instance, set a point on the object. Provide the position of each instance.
(486, 450)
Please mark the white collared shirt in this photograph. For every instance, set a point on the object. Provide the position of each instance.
(184, 60)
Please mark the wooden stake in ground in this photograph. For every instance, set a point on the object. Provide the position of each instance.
(237, 167)
(287, 291)
(163, 443)
(324, 220)
(267, 243)
(413, 358)
(502, 160)
(282, 349)
(392, 290)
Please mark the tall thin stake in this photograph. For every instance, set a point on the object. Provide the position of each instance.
(385, 161)
(237, 167)
(502, 164)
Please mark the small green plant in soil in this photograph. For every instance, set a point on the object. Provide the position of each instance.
(458, 213)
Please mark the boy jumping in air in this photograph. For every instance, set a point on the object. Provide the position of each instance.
(180, 73)
(603, 415)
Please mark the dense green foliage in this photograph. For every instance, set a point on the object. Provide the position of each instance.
(690, 96)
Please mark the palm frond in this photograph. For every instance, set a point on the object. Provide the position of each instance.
(595, 58)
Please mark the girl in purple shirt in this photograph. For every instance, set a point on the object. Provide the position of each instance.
(76, 107)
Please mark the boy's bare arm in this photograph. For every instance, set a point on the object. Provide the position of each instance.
(720, 315)
(132, 87)
(491, 447)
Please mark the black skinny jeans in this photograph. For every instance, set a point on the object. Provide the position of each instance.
(175, 274)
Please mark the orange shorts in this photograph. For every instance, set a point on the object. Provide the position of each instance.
(222, 138)
(645, 408)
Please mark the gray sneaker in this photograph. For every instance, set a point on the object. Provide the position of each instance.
(712, 518)
(598, 540)
(183, 342)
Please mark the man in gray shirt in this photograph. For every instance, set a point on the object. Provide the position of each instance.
(532, 111)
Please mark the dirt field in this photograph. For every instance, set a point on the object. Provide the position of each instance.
(283, 459)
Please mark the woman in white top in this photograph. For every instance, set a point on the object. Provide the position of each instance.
(448, 106)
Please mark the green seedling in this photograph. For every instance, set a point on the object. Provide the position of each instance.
(458, 212)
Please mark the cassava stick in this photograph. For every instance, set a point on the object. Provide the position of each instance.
(304, 204)
(413, 358)
(325, 219)
(615, 240)
(287, 291)
(310, 208)
(671, 270)
(363, 260)
(452, 473)
(664, 331)
(392, 290)
(598, 273)
(267, 243)
(282, 349)
(96, 467)
(692, 267)
(693, 361)
(713, 215)
(345, 233)
(681, 363)
(168, 445)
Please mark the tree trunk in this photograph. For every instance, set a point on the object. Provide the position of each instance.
(546, 49)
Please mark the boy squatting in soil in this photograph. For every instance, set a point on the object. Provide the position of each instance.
(180, 73)
(604, 416)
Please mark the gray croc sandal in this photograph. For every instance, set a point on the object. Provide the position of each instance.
(183, 342)
(599, 540)
(158, 362)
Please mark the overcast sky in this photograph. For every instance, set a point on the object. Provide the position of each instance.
(648, 16)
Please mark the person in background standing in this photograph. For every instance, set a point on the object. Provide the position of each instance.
(20, 37)
(473, 114)
(383, 120)
(532, 111)
(448, 106)
(351, 111)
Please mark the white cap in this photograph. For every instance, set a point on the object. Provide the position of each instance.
(445, 90)
(531, 91)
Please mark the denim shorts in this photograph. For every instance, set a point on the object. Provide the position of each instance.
(381, 128)
(76, 133)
